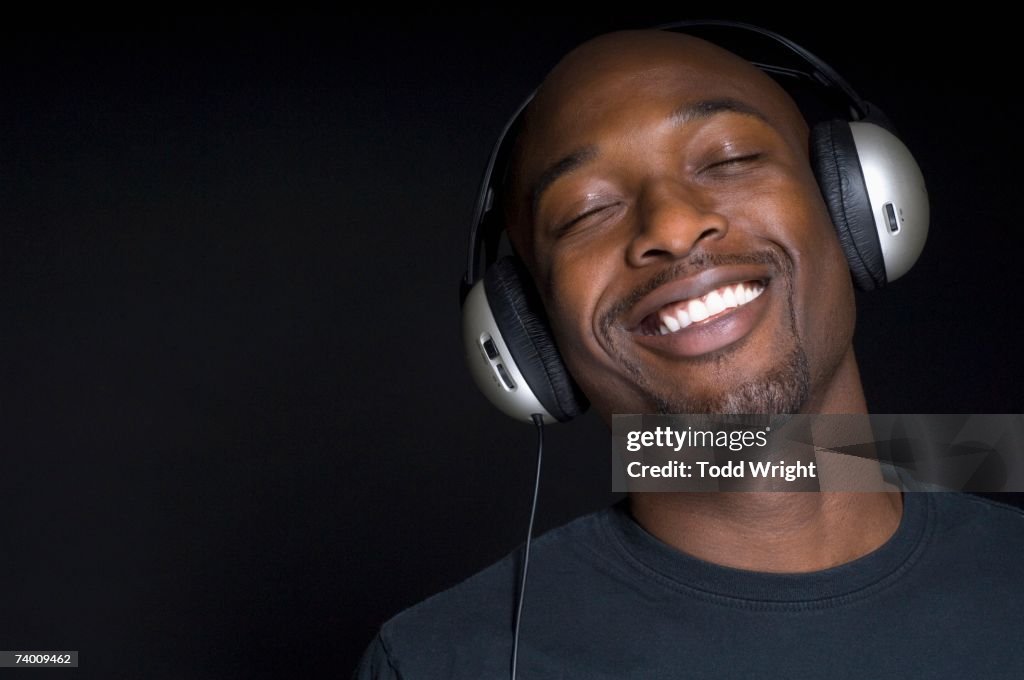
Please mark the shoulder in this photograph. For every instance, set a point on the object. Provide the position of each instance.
(475, 618)
(963, 511)
(979, 534)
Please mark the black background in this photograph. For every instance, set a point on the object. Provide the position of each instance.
(237, 432)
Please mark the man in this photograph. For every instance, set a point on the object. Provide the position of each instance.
(654, 170)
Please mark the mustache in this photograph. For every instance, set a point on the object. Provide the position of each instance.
(694, 264)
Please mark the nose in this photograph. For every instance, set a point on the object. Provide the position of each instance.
(672, 220)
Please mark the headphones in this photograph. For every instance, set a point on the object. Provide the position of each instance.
(871, 184)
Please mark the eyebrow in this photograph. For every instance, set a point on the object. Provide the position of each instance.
(686, 113)
(561, 167)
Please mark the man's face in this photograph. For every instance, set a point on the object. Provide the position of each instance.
(676, 233)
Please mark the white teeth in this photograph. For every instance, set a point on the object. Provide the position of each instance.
(684, 318)
(714, 302)
(697, 310)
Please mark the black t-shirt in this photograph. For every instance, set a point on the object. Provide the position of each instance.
(943, 598)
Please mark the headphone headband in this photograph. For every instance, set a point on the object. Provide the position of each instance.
(822, 74)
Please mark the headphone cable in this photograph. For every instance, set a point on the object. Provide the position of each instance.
(538, 420)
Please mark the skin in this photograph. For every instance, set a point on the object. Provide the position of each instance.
(656, 199)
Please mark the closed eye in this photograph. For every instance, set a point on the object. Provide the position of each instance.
(563, 229)
(729, 165)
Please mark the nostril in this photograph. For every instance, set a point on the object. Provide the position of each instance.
(656, 252)
(709, 232)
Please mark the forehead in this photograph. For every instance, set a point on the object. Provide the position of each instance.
(628, 80)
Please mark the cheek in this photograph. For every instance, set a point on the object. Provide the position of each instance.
(579, 279)
(571, 296)
(823, 290)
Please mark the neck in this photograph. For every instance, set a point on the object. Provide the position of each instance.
(785, 532)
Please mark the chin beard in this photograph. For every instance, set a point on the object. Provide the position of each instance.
(785, 388)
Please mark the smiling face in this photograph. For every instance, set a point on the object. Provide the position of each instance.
(663, 200)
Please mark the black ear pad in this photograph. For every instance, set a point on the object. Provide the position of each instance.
(518, 311)
(837, 168)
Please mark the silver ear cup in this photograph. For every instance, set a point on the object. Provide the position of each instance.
(896, 191)
(490, 361)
